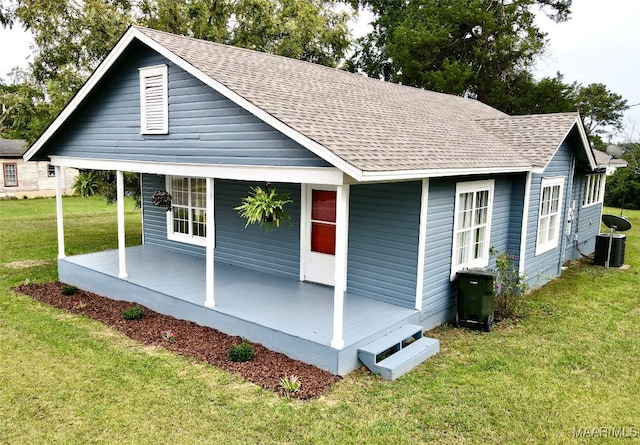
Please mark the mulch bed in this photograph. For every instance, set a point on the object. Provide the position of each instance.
(192, 340)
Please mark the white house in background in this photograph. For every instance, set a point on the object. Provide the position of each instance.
(20, 179)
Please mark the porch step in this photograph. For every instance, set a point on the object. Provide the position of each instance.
(398, 352)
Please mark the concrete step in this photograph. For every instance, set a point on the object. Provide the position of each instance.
(398, 352)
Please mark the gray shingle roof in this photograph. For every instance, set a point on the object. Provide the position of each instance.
(12, 148)
(373, 125)
(535, 137)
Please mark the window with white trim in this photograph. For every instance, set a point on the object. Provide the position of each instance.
(154, 103)
(550, 214)
(472, 225)
(593, 189)
(51, 171)
(187, 220)
(10, 174)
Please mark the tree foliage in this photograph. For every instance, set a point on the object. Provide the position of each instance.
(623, 188)
(464, 47)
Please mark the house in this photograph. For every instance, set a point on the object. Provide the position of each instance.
(22, 179)
(394, 190)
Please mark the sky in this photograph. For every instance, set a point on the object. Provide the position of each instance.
(600, 43)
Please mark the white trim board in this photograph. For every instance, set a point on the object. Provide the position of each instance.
(319, 175)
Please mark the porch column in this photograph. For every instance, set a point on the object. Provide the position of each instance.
(340, 284)
(121, 235)
(210, 247)
(59, 217)
(422, 241)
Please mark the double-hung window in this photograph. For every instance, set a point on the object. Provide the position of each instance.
(472, 225)
(154, 103)
(550, 214)
(593, 189)
(187, 220)
(10, 174)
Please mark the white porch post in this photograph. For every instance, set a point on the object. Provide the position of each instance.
(422, 241)
(121, 235)
(340, 284)
(210, 262)
(59, 217)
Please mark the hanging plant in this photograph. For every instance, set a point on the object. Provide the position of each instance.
(264, 206)
(160, 198)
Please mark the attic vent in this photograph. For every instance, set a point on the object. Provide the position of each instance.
(153, 100)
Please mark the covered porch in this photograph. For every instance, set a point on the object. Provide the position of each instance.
(285, 315)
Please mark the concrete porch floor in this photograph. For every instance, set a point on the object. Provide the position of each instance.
(285, 315)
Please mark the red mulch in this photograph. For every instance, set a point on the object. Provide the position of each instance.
(192, 340)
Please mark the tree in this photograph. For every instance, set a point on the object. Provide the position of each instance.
(464, 47)
(600, 108)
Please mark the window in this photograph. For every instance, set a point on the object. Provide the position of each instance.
(51, 171)
(550, 214)
(187, 220)
(323, 221)
(472, 225)
(154, 106)
(593, 189)
(10, 175)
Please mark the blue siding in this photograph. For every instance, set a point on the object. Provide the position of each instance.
(276, 252)
(204, 126)
(154, 219)
(439, 294)
(586, 223)
(540, 268)
(384, 224)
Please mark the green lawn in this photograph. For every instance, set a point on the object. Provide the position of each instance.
(574, 362)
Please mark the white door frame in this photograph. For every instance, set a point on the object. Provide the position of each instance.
(308, 258)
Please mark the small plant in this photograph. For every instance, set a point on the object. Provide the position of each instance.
(161, 198)
(69, 290)
(511, 286)
(133, 313)
(290, 383)
(79, 305)
(168, 335)
(241, 353)
(87, 183)
(264, 206)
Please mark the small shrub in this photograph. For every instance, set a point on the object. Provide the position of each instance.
(241, 353)
(69, 290)
(290, 383)
(133, 313)
(87, 183)
(511, 287)
(79, 305)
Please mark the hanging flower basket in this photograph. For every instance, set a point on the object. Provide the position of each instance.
(161, 198)
(264, 207)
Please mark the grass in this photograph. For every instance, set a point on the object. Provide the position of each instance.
(573, 362)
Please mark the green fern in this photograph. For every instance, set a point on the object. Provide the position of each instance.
(264, 206)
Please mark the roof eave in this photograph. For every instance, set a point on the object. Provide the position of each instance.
(408, 175)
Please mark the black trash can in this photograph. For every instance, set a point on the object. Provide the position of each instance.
(476, 298)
